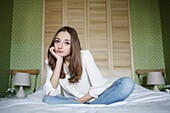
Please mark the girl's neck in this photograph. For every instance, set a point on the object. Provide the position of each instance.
(66, 61)
(66, 64)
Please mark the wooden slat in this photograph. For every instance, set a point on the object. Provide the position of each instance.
(53, 21)
(76, 18)
(98, 34)
(121, 38)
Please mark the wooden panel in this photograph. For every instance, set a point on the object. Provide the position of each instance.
(98, 37)
(52, 21)
(121, 38)
(76, 18)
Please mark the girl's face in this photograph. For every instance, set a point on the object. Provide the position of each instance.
(62, 44)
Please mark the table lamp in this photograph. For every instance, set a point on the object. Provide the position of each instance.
(21, 79)
(155, 78)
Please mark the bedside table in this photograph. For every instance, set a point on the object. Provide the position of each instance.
(143, 73)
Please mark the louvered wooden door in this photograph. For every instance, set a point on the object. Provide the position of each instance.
(102, 26)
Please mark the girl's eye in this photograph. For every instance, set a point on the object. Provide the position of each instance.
(67, 43)
(57, 41)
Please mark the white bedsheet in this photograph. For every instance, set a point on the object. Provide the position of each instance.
(140, 101)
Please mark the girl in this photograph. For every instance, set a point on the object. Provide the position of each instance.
(73, 77)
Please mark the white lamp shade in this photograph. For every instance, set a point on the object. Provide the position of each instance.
(154, 78)
(21, 79)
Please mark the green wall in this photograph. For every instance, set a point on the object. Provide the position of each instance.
(26, 42)
(146, 35)
(165, 22)
(6, 7)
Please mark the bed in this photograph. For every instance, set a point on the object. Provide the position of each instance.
(141, 100)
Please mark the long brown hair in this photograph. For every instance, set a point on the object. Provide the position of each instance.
(75, 66)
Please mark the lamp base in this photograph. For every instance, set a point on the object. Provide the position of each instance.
(155, 88)
(21, 93)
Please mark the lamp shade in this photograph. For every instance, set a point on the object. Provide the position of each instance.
(21, 79)
(154, 78)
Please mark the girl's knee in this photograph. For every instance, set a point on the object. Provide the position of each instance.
(127, 80)
(47, 99)
(128, 84)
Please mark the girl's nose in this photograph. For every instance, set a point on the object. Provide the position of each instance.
(60, 46)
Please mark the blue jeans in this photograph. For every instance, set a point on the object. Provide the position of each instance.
(118, 91)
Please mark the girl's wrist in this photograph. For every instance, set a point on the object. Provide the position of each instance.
(59, 61)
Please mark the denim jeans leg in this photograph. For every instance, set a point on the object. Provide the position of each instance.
(59, 100)
(118, 91)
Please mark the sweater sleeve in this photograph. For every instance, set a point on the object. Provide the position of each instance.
(47, 88)
(97, 81)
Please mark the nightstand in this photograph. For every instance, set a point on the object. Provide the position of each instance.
(142, 75)
(31, 72)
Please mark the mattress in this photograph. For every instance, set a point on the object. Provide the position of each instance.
(141, 100)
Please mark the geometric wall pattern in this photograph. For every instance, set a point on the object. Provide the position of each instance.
(146, 34)
(26, 42)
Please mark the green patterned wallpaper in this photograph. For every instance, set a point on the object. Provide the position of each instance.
(26, 40)
(146, 35)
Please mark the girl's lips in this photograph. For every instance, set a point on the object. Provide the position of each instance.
(58, 51)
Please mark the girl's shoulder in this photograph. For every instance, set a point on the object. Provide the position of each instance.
(85, 53)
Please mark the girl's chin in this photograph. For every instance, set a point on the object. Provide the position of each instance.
(62, 54)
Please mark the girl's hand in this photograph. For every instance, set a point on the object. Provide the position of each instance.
(52, 51)
(85, 98)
